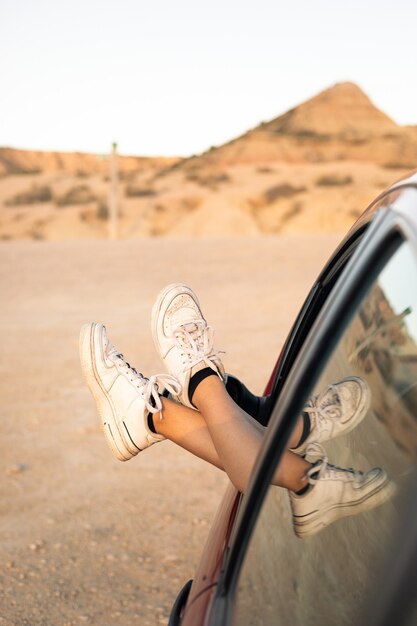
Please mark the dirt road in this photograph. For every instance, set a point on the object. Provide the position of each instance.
(86, 539)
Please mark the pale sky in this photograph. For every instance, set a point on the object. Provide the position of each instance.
(174, 77)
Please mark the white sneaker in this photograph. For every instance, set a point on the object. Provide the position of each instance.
(182, 337)
(336, 493)
(124, 397)
(336, 411)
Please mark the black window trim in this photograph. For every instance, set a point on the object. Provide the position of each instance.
(311, 308)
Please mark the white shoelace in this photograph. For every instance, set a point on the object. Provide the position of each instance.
(320, 413)
(322, 466)
(195, 340)
(148, 387)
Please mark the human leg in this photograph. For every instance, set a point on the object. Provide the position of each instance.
(325, 492)
(125, 399)
(237, 438)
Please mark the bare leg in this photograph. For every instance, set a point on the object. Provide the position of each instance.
(187, 429)
(225, 436)
(237, 439)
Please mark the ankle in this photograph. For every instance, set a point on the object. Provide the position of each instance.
(201, 374)
(156, 421)
(210, 388)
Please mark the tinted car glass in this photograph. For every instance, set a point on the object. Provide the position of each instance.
(326, 578)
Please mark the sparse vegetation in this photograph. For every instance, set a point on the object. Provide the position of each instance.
(266, 170)
(35, 234)
(80, 194)
(190, 203)
(134, 191)
(334, 180)
(212, 181)
(34, 195)
(397, 165)
(294, 210)
(382, 184)
(36, 231)
(285, 190)
(102, 212)
(28, 171)
(128, 176)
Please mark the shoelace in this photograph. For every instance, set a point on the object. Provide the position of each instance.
(195, 340)
(322, 466)
(148, 387)
(322, 412)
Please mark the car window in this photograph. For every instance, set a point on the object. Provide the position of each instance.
(326, 578)
(309, 311)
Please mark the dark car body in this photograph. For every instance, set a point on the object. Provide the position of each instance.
(347, 298)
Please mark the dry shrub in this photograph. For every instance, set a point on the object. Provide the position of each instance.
(35, 234)
(285, 190)
(265, 170)
(334, 180)
(128, 176)
(37, 193)
(398, 165)
(102, 212)
(212, 181)
(134, 191)
(294, 210)
(80, 194)
(189, 203)
(36, 231)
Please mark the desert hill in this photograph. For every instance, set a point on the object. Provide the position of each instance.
(14, 161)
(313, 169)
(340, 123)
(343, 111)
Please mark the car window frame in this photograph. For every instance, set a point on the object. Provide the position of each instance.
(383, 237)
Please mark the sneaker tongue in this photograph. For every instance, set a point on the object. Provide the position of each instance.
(331, 398)
(185, 317)
(189, 326)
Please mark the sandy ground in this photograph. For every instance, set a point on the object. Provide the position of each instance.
(86, 539)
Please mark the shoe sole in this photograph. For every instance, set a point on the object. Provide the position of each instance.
(315, 523)
(361, 412)
(114, 436)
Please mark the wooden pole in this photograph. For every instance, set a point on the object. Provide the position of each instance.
(113, 196)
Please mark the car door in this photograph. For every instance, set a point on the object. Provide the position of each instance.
(366, 328)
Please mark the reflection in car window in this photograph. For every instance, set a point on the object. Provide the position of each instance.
(326, 578)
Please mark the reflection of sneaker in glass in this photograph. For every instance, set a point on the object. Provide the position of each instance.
(336, 411)
(182, 337)
(336, 493)
(124, 397)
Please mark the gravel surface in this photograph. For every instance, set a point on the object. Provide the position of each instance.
(86, 539)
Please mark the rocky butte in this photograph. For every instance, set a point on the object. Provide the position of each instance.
(313, 169)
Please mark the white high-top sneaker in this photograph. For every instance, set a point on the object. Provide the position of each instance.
(336, 493)
(182, 337)
(124, 398)
(336, 411)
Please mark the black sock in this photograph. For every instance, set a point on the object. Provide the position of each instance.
(306, 428)
(151, 425)
(303, 490)
(197, 379)
(314, 475)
